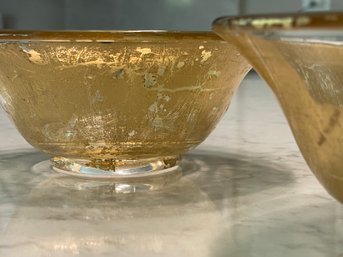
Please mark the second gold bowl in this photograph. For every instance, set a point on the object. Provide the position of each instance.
(300, 56)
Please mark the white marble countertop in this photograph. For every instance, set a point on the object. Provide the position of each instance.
(246, 191)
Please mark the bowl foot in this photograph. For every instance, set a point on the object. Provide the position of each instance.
(121, 170)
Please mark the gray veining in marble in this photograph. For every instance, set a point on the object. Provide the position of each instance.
(246, 191)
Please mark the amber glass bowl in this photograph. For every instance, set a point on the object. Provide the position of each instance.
(116, 103)
(300, 56)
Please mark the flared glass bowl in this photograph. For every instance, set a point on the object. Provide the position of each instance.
(119, 104)
(300, 56)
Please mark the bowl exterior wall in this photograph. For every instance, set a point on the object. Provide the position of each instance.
(307, 79)
(122, 100)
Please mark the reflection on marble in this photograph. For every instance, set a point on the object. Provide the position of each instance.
(246, 191)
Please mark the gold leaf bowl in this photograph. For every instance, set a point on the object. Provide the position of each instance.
(300, 56)
(116, 103)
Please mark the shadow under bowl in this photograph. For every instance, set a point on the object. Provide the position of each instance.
(116, 103)
(300, 56)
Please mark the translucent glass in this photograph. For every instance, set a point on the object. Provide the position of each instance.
(116, 103)
(300, 56)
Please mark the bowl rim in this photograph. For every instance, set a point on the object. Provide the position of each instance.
(281, 21)
(106, 36)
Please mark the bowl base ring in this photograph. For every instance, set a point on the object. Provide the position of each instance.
(123, 170)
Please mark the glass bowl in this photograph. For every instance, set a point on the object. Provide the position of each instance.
(116, 104)
(300, 56)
